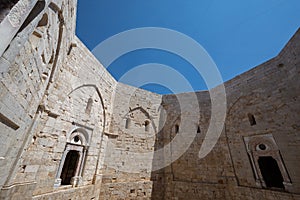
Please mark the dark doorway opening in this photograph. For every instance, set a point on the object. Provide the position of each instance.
(69, 168)
(270, 172)
(176, 128)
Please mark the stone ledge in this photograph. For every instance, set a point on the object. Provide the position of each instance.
(110, 134)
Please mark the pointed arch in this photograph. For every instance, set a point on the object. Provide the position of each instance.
(82, 130)
(99, 95)
(147, 115)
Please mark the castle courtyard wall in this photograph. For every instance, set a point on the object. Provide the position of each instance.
(59, 105)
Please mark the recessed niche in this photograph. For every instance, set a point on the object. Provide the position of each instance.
(176, 128)
(127, 123)
(147, 125)
(198, 129)
(252, 120)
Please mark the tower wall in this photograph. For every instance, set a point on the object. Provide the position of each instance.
(270, 94)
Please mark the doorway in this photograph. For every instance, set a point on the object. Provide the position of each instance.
(69, 168)
(270, 172)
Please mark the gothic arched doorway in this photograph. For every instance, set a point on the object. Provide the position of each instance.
(73, 159)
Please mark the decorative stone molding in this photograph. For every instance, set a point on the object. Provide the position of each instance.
(76, 181)
(263, 146)
(78, 140)
(111, 134)
(16, 15)
(13, 22)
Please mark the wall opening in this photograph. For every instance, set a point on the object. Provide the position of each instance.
(270, 172)
(69, 168)
(198, 129)
(251, 119)
(147, 125)
(73, 159)
(44, 21)
(132, 191)
(89, 106)
(127, 123)
(176, 128)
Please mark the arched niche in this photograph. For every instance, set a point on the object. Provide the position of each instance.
(140, 120)
(147, 125)
(174, 127)
(86, 111)
(85, 106)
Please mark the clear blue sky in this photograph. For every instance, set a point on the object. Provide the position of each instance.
(237, 34)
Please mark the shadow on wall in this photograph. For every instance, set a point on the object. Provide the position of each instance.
(162, 178)
(158, 177)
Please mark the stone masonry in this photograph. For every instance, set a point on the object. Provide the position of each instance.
(69, 130)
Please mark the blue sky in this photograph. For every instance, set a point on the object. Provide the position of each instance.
(238, 35)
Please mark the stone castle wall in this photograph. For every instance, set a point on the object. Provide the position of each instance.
(270, 93)
(56, 98)
(48, 78)
(27, 68)
(130, 144)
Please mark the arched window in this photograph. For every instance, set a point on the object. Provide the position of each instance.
(267, 164)
(147, 125)
(72, 162)
(89, 106)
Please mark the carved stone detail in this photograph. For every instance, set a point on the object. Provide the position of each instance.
(17, 13)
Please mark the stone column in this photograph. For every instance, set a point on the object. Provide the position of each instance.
(286, 179)
(261, 179)
(76, 180)
(82, 161)
(57, 182)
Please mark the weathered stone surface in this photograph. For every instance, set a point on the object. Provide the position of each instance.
(58, 104)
